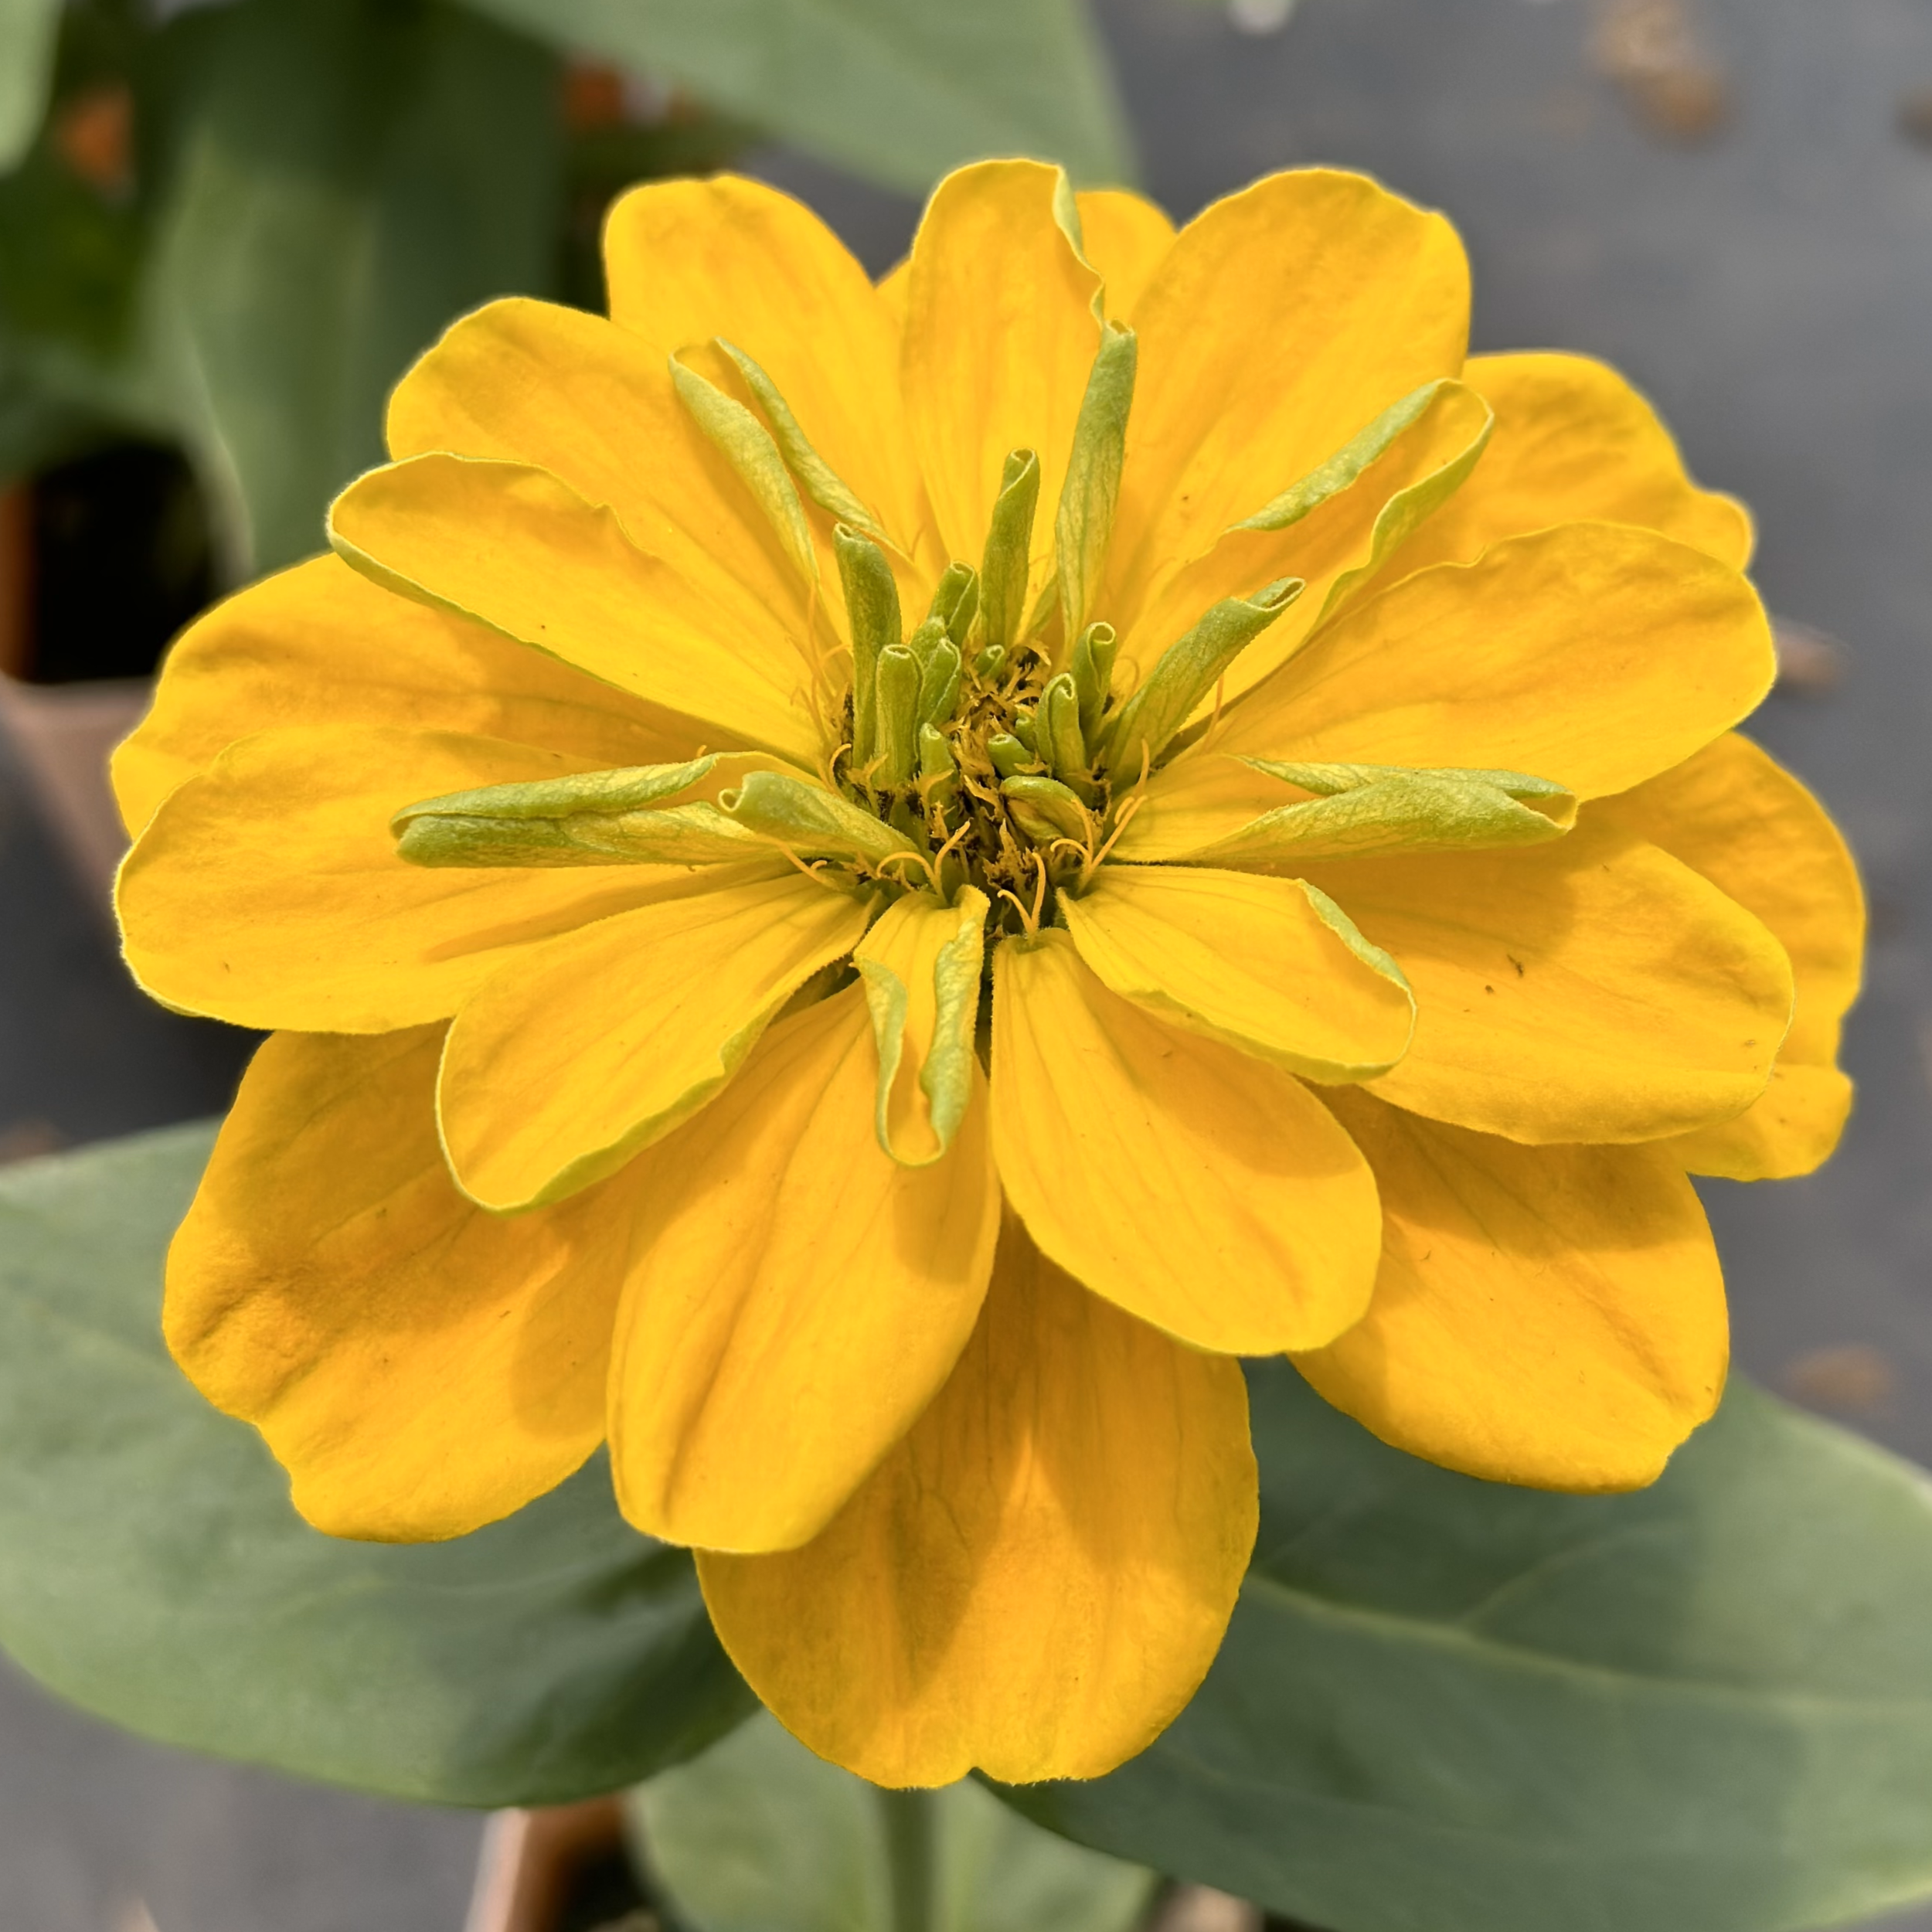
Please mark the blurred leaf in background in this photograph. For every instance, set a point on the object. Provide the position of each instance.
(28, 30)
(899, 90)
(352, 175)
(236, 226)
(152, 1570)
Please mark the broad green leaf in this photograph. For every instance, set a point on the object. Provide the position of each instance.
(1445, 1705)
(349, 177)
(28, 30)
(152, 1570)
(897, 89)
(759, 1835)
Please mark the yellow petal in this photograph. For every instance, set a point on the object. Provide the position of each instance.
(1333, 548)
(1574, 443)
(798, 1296)
(1736, 815)
(1552, 1316)
(419, 1368)
(268, 892)
(320, 646)
(1036, 1579)
(1282, 321)
(1590, 654)
(891, 288)
(1594, 989)
(688, 261)
(922, 964)
(1126, 237)
(1206, 1191)
(1259, 964)
(514, 549)
(529, 382)
(1792, 1128)
(562, 1065)
(1000, 338)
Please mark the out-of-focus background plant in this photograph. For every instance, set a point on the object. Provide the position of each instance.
(226, 229)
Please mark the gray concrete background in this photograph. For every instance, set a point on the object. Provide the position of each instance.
(1771, 287)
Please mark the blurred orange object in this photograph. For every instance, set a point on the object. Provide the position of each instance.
(93, 133)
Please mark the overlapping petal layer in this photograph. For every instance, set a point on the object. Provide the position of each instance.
(1000, 336)
(1594, 654)
(571, 1057)
(1282, 320)
(1734, 815)
(1547, 1316)
(1126, 237)
(318, 644)
(532, 383)
(420, 1367)
(1036, 1578)
(1595, 989)
(1331, 529)
(514, 549)
(689, 260)
(797, 1296)
(268, 892)
(1261, 965)
(1204, 1191)
(1574, 443)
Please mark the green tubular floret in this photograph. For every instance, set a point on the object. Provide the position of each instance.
(1085, 524)
(1092, 668)
(956, 601)
(745, 444)
(1057, 731)
(1009, 535)
(926, 639)
(820, 482)
(897, 749)
(1188, 669)
(939, 682)
(1007, 754)
(1046, 810)
(872, 605)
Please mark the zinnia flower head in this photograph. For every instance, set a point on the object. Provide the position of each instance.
(860, 888)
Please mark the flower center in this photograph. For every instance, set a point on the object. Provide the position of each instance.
(987, 799)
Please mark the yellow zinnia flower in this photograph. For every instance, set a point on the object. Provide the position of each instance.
(860, 888)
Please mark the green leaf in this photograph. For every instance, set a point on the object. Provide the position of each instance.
(1445, 1705)
(350, 176)
(152, 1570)
(759, 1835)
(897, 89)
(28, 31)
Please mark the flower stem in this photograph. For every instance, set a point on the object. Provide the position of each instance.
(911, 1818)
